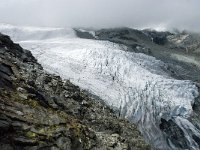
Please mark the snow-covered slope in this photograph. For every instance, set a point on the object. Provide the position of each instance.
(133, 83)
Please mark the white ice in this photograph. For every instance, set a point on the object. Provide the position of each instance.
(134, 83)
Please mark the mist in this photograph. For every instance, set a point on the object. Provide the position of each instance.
(157, 14)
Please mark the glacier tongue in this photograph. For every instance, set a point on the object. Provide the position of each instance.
(134, 83)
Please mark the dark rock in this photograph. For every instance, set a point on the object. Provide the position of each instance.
(6, 69)
(83, 34)
(174, 132)
(197, 139)
(22, 141)
(159, 38)
(6, 147)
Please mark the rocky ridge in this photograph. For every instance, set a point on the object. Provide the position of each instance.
(41, 111)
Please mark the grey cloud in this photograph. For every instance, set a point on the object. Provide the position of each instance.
(182, 14)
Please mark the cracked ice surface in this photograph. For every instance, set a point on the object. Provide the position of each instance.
(134, 83)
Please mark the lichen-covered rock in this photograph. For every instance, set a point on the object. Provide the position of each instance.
(40, 111)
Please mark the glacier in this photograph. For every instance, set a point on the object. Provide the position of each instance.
(133, 83)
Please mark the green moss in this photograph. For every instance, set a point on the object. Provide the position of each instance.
(48, 131)
(33, 103)
(42, 131)
(31, 135)
(76, 128)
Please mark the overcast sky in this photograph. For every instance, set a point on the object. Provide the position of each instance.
(181, 14)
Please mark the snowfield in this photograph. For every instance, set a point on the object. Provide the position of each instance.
(133, 83)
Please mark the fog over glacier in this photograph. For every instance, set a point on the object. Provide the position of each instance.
(159, 14)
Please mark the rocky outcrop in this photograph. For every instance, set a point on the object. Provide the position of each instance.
(40, 111)
(134, 39)
(189, 42)
(159, 38)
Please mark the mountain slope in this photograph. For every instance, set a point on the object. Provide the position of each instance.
(178, 50)
(41, 111)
